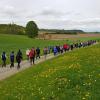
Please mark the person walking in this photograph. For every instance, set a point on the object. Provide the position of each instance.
(32, 55)
(61, 49)
(45, 51)
(27, 53)
(72, 46)
(37, 52)
(4, 59)
(65, 47)
(55, 51)
(19, 58)
(49, 48)
(12, 59)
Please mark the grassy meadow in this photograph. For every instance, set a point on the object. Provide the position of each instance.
(72, 76)
(10, 43)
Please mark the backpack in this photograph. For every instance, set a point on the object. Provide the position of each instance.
(3, 57)
(11, 56)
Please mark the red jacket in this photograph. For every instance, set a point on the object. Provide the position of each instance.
(32, 53)
(66, 46)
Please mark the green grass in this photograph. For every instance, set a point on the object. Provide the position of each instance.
(16, 42)
(72, 76)
(10, 43)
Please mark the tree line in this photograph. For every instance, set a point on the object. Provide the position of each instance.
(32, 29)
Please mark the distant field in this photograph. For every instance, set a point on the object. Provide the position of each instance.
(72, 76)
(15, 42)
(68, 36)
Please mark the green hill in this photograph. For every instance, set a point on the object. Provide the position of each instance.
(11, 29)
(73, 76)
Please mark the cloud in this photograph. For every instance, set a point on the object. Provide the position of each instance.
(53, 12)
(87, 24)
(48, 13)
(63, 14)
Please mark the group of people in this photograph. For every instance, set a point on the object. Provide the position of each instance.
(33, 53)
(12, 58)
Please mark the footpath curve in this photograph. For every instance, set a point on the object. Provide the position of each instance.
(6, 72)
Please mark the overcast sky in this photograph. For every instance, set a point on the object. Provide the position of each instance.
(59, 14)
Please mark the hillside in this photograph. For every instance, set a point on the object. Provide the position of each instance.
(11, 29)
(73, 76)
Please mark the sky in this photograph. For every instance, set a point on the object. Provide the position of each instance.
(52, 14)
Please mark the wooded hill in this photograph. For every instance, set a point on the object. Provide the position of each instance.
(11, 29)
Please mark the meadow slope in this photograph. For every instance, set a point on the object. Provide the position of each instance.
(72, 76)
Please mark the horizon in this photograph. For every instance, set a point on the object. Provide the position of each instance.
(50, 28)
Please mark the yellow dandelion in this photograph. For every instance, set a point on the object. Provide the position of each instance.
(43, 98)
(83, 98)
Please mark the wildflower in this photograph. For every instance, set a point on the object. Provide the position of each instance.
(83, 98)
(87, 94)
(43, 98)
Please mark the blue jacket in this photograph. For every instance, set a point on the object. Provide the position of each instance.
(55, 50)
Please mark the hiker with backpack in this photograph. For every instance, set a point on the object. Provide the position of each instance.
(27, 53)
(61, 49)
(19, 58)
(65, 47)
(55, 51)
(3, 57)
(32, 55)
(37, 52)
(12, 59)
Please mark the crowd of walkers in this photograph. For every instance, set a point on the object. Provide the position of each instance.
(33, 53)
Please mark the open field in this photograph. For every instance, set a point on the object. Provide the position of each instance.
(73, 76)
(15, 42)
(67, 36)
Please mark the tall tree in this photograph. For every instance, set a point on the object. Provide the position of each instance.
(31, 29)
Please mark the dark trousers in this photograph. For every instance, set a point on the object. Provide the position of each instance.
(18, 66)
(55, 53)
(4, 63)
(12, 64)
(32, 60)
(38, 55)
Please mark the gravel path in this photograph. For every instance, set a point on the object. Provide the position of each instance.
(7, 71)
